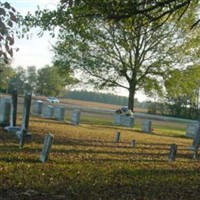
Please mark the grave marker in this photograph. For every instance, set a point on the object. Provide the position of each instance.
(191, 129)
(48, 112)
(75, 117)
(117, 136)
(59, 113)
(172, 153)
(37, 107)
(48, 141)
(146, 126)
(13, 113)
(5, 107)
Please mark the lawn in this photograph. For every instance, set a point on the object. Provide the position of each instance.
(86, 163)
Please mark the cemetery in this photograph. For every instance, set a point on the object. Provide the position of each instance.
(51, 152)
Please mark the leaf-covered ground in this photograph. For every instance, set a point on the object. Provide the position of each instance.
(86, 163)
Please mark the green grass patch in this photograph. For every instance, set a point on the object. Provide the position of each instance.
(86, 163)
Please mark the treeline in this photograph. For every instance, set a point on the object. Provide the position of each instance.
(98, 97)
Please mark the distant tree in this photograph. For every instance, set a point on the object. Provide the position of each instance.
(18, 81)
(5, 76)
(50, 82)
(31, 77)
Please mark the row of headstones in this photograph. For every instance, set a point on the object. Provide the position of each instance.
(54, 112)
(128, 121)
(49, 138)
(8, 115)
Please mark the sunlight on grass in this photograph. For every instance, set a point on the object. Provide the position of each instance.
(86, 163)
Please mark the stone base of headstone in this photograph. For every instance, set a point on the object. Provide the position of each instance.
(27, 136)
(14, 129)
(146, 126)
(4, 124)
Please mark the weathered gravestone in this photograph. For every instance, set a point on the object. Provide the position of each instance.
(22, 138)
(146, 126)
(172, 153)
(117, 119)
(59, 113)
(191, 129)
(13, 114)
(48, 112)
(117, 136)
(25, 117)
(48, 141)
(5, 108)
(196, 141)
(37, 107)
(75, 117)
(123, 120)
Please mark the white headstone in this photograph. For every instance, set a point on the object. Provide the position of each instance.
(127, 121)
(48, 141)
(48, 111)
(75, 117)
(37, 107)
(117, 119)
(146, 126)
(59, 113)
(191, 130)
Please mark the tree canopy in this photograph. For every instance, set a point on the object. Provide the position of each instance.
(7, 21)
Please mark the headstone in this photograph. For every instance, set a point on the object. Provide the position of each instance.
(172, 153)
(22, 138)
(48, 141)
(37, 107)
(191, 130)
(133, 143)
(127, 121)
(13, 113)
(75, 117)
(48, 112)
(25, 116)
(146, 126)
(123, 120)
(196, 140)
(5, 107)
(117, 136)
(117, 119)
(59, 113)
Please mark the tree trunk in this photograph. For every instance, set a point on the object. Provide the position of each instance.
(131, 99)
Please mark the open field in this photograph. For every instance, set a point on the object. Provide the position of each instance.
(86, 163)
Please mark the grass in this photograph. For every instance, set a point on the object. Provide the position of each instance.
(86, 163)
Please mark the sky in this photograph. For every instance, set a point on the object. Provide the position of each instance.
(37, 50)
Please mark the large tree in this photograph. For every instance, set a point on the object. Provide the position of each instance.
(122, 55)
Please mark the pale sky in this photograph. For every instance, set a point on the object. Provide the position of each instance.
(36, 51)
